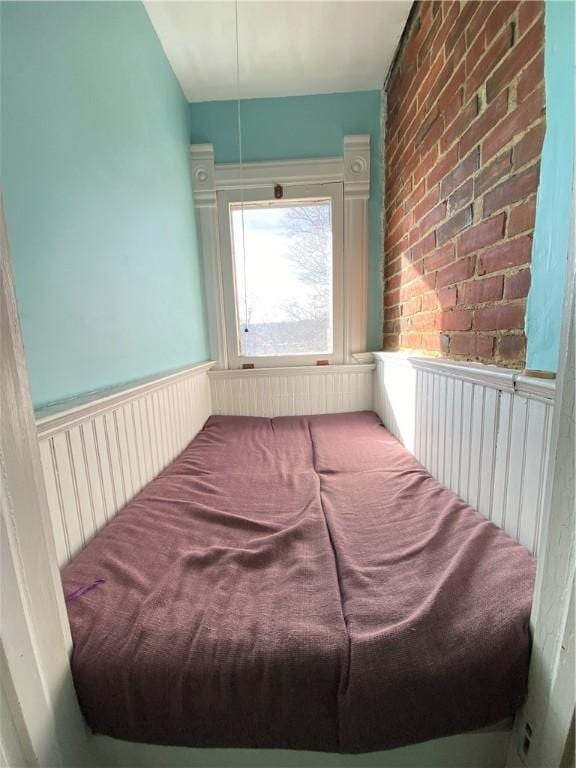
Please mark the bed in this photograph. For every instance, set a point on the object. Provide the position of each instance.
(301, 583)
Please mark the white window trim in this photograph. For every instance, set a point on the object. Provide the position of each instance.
(352, 170)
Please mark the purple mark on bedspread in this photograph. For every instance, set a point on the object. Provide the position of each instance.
(82, 590)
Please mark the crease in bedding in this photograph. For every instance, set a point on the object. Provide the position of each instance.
(298, 582)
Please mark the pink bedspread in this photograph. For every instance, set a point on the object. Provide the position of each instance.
(299, 583)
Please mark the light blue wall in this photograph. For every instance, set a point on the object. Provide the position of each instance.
(554, 203)
(300, 127)
(95, 174)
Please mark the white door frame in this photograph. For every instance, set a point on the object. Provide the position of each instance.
(541, 728)
(43, 725)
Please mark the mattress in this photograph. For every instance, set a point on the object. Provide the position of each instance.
(298, 582)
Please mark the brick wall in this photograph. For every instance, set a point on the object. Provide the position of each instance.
(464, 131)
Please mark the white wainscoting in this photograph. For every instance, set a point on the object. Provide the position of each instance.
(482, 431)
(292, 391)
(97, 455)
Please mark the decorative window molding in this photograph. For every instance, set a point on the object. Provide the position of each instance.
(352, 170)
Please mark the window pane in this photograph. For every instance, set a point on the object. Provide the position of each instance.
(283, 271)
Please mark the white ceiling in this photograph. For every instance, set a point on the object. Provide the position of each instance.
(287, 47)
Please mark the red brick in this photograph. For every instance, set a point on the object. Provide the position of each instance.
(480, 291)
(517, 121)
(427, 204)
(428, 321)
(451, 110)
(414, 287)
(529, 11)
(531, 77)
(416, 195)
(424, 246)
(390, 343)
(396, 217)
(425, 127)
(513, 190)
(434, 277)
(482, 235)
(404, 120)
(474, 53)
(472, 345)
(511, 253)
(462, 171)
(429, 301)
(512, 347)
(517, 286)
(431, 95)
(461, 196)
(447, 297)
(450, 15)
(524, 50)
(433, 342)
(434, 217)
(460, 124)
(440, 257)
(484, 123)
(394, 249)
(404, 324)
(490, 174)
(501, 12)
(459, 28)
(457, 320)
(394, 282)
(454, 88)
(486, 64)
(411, 341)
(455, 224)
(499, 317)
(456, 272)
(415, 268)
(522, 217)
(530, 146)
(444, 343)
(477, 25)
(425, 165)
(427, 33)
(442, 167)
(391, 267)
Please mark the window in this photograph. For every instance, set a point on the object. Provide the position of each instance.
(282, 263)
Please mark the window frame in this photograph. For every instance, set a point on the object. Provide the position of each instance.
(351, 169)
(332, 191)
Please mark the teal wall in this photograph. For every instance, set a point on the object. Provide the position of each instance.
(299, 127)
(554, 203)
(96, 181)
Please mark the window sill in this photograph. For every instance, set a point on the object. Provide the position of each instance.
(301, 370)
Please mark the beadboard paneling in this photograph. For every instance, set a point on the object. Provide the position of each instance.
(98, 455)
(482, 431)
(292, 391)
